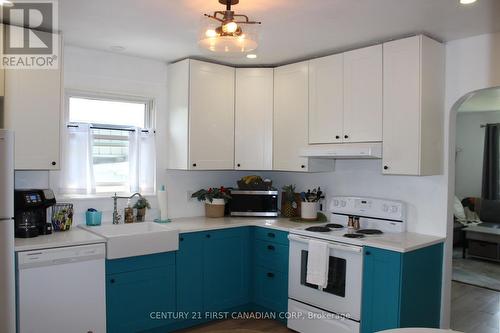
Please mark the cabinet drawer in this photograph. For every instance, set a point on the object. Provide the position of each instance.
(271, 235)
(483, 249)
(271, 255)
(271, 289)
(140, 262)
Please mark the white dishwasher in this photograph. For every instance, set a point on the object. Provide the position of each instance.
(62, 290)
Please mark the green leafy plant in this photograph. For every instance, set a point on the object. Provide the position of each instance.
(211, 194)
(142, 203)
(289, 192)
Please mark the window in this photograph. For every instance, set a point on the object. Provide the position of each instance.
(109, 145)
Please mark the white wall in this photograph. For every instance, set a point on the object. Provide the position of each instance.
(98, 71)
(470, 146)
(471, 64)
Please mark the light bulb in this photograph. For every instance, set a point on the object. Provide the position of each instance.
(230, 27)
(6, 3)
(211, 33)
(251, 56)
(467, 2)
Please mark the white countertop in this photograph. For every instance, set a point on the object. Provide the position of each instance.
(403, 242)
(74, 236)
(399, 242)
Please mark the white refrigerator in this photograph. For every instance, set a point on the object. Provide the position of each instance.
(7, 269)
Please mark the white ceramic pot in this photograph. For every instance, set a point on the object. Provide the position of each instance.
(216, 202)
(309, 210)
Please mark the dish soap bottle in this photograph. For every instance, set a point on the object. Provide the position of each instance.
(129, 213)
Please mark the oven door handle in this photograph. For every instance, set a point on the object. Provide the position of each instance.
(335, 246)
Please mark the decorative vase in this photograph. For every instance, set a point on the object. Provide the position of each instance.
(141, 212)
(215, 209)
(309, 210)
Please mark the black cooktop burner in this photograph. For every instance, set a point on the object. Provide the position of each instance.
(318, 229)
(334, 226)
(369, 232)
(354, 236)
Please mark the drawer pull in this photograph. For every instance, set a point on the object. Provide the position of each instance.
(269, 274)
(112, 281)
(271, 247)
(271, 235)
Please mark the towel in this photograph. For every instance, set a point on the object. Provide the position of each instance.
(317, 263)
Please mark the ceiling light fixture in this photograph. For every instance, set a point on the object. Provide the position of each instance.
(224, 32)
(467, 2)
(6, 3)
(251, 56)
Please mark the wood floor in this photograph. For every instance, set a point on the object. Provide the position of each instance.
(240, 326)
(474, 309)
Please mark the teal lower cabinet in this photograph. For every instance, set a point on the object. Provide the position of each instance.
(213, 273)
(139, 291)
(226, 269)
(401, 289)
(270, 270)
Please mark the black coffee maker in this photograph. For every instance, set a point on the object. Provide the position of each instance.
(30, 212)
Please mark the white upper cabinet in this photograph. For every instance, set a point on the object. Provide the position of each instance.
(290, 116)
(345, 97)
(326, 89)
(363, 95)
(413, 106)
(201, 116)
(254, 119)
(33, 103)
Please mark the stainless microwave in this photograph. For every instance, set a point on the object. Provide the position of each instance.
(254, 203)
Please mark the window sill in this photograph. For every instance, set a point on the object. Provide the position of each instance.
(60, 197)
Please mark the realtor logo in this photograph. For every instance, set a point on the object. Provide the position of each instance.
(29, 35)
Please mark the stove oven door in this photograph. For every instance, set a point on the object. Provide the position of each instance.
(342, 295)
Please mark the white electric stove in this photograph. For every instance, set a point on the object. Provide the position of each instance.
(337, 307)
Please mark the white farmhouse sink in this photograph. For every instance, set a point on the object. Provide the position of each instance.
(136, 239)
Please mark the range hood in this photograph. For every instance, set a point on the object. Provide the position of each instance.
(344, 151)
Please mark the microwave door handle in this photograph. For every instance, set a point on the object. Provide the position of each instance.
(335, 246)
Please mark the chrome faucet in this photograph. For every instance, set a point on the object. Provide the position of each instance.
(117, 217)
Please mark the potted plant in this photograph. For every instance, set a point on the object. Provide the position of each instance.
(215, 200)
(141, 206)
(289, 201)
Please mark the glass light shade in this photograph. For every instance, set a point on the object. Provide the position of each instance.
(211, 40)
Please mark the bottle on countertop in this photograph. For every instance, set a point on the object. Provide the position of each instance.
(129, 213)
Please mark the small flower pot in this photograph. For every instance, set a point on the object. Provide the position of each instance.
(309, 210)
(215, 209)
(141, 212)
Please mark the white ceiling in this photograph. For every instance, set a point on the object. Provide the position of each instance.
(291, 29)
(484, 100)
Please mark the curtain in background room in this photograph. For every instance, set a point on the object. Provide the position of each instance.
(491, 163)
(78, 172)
(142, 158)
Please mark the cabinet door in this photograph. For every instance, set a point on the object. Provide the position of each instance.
(326, 104)
(132, 296)
(227, 268)
(254, 119)
(363, 95)
(211, 131)
(381, 290)
(402, 107)
(270, 289)
(189, 263)
(290, 116)
(33, 110)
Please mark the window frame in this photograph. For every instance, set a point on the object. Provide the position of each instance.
(149, 120)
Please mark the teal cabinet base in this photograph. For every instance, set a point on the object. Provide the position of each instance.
(135, 296)
(401, 289)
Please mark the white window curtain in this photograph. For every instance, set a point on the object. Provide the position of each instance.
(78, 173)
(142, 159)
